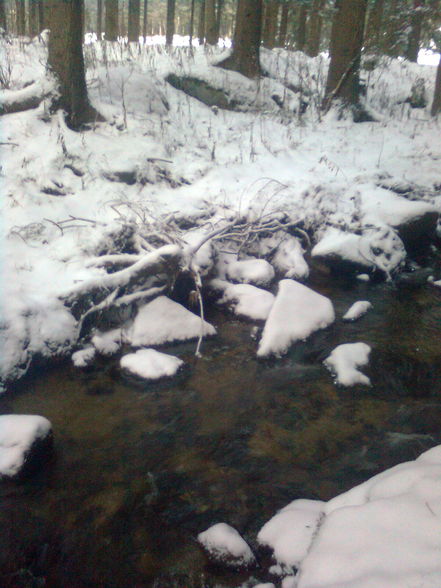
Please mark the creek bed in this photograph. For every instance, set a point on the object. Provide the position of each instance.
(140, 470)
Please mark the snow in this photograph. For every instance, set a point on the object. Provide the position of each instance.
(244, 300)
(289, 259)
(17, 434)
(289, 533)
(297, 312)
(344, 361)
(107, 343)
(83, 357)
(251, 271)
(357, 310)
(224, 543)
(150, 364)
(164, 321)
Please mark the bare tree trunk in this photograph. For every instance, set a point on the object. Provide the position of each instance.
(3, 22)
(65, 60)
(201, 24)
(315, 28)
(33, 18)
(436, 104)
(210, 22)
(191, 26)
(343, 80)
(374, 26)
(144, 19)
(416, 23)
(111, 20)
(302, 14)
(170, 26)
(133, 25)
(270, 23)
(246, 42)
(41, 15)
(219, 12)
(20, 17)
(99, 18)
(283, 29)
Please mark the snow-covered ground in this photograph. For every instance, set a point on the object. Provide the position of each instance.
(165, 171)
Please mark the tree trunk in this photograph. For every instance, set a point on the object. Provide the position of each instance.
(374, 26)
(246, 42)
(144, 19)
(33, 18)
(65, 60)
(99, 18)
(416, 22)
(201, 24)
(41, 15)
(219, 12)
(20, 17)
(283, 29)
(343, 80)
(111, 20)
(270, 22)
(210, 22)
(191, 25)
(394, 29)
(3, 23)
(315, 28)
(133, 25)
(436, 104)
(302, 14)
(170, 26)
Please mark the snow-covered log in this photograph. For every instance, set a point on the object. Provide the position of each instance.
(25, 99)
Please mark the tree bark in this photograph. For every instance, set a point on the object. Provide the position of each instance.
(283, 29)
(201, 24)
(111, 21)
(65, 60)
(41, 15)
(219, 12)
(315, 28)
(3, 22)
(133, 24)
(20, 17)
(343, 79)
(211, 35)
(33, 18)
(99, 18)
(416, 23)
(170, 26)
(436, 104)
(270, 23)
(246, 42)
(374, 26)
(145, 19)
(302, 14)
(191, 25)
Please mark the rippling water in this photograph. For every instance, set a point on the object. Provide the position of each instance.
(139, 471)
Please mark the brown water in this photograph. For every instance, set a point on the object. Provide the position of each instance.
(139, 471)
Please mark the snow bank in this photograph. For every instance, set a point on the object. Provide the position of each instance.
(18, 433)
(357, 310)
(244, 300)
(150, 364)
(297, 312)
(384, 533)
(163, 321)
(345, 359)
(224, 545)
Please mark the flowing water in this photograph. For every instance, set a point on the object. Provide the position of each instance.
(138, 471)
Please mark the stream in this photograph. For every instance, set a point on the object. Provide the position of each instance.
(139, 470)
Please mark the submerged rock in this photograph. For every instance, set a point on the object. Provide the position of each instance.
(25, 441)
(226, 547)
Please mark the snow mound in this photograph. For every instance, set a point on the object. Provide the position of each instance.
(289, 533)
(383, 533)
(289, 259)
(150, 364)
(357, 310)
(224, 545)
(107, 343)
(345, 359)
(297, 312)
(163, 321)
(244, 300)
(83, 357)
(251, 271)
(18, 433)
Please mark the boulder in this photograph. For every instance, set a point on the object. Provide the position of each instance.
(149, 364)
(225, 547)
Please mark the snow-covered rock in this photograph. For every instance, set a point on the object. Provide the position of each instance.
(344, 361)
(289, 260)
(297, 312)
(251, 271)
(150, 364)
(83, 357)
(289, 533)
(24, 439)
(225, 546)
(163, 321)
(244, 299)
(357, 310)
(107, 343)
(384, 533)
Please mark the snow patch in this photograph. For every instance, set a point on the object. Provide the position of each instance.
(345, 359)
(357, 310)
(244, 300)
(225, 545)
(251, 271)
(150, 364)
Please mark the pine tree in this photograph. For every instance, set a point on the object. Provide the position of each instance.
(111, 22)
(133, 20)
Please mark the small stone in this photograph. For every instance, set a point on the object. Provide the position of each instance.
(226, 547)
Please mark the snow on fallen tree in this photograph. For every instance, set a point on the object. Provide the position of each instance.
(30, 97)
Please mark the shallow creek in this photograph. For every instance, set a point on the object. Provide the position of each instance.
(138, 471)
